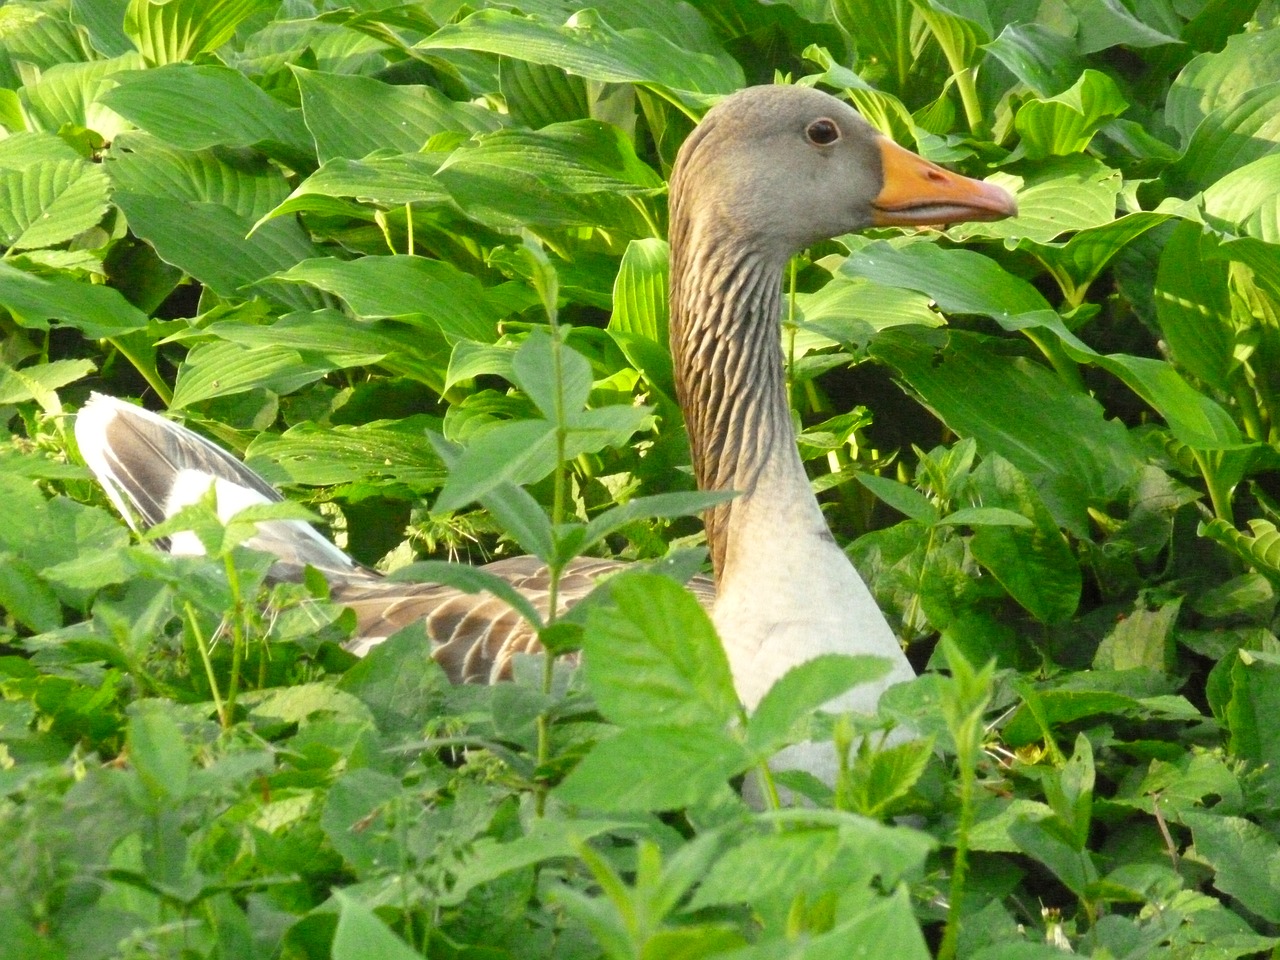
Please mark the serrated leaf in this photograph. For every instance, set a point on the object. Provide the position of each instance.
(360, 935)
(800, 691)
(1245, 858)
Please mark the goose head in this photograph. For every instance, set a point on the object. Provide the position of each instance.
(778, 168)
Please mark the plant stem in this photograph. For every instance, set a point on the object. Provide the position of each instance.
(148, 371)
(237, 633)
(224, 718)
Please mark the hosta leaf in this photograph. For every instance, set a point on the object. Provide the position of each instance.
(353, 116)
(103, 21)
(210, 242)
(1078, 262)
(1060, 195)
(538, 95)
(1108, 23)
(654, 659)
(94, 309)
(141, 164)
(73, 93)
(1065, 124)
(640, 291)
(221, 369)
(50, 202)
(390, 180)
(881, 33)
(404, 287)
(1058, 436)
(167, 31)
(1216, 81)
(851, 310)
(1040, 57)
(1231, 137)
(1247, 201)
(389, 450)
(1260, 548)
(1193, 305)
(588, 47)
(194, 107)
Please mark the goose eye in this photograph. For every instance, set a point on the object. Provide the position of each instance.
(823, 132)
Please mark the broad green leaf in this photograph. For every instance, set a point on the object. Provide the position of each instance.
(1064, 124)
(554, 376)
(1035, 564)
(167, 31)
(221, 369)
(390, 450)
(665, 505)
(1247, 201)
(850, 310)
(1040, 840)
(1058, 435)
(338, 339)
(360, 935)
(655, 660)
(654, 767)
(769, 866)
(537, 94)
(1260, 548)
(588, 47)
(1245, 858)
(93, 309)
(39, 382)
(985, 517)
(353, 116)
(1078, 262)
(210, 242)
(881, 32)
(73, 94)
(1229, 138)
(1193, 306)
(141, 164)
(50, 202)
(1143, 638)
(906, 500)
(26, 596)
(1057, 196)
(800, 691)
(1216, 81)
(1039, 56)
(387, 181)
(1109, 23)
(103, 21)
(196, 107)
(399, 682)
(356, 805)
(409, 288)
(880, 777)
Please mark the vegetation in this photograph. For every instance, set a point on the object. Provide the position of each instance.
(357, 242)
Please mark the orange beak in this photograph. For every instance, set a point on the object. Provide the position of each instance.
(918, 193)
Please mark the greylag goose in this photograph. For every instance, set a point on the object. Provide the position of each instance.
(769, 171)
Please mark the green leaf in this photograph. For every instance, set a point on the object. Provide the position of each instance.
(985, 517)
(554, 376)
(1245, 858)
(1078, 262)
(388, 450)
(1042, 58)
(654, 767)
(50, 202)
(1108, 23)
(360, 935)
(40, 381)
(387, 181)
(1216, 81)
(93, 309)
(72, 95)
(194, 107)
(906, 500)
(470, 580)
(850, 310)
(1229, 138)
(167, 31)
(1033, 562)
(354, 116)
(409, 288)
(1143, 638)
(158, 752)
(1065, 124)
(800, 691)
(664, 505)
(518, 452)
(26, 597)
(588, 47)
(654, 658)
(223, 369)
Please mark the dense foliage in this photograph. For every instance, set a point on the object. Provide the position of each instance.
(354, 242)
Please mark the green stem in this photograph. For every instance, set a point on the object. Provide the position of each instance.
(644, 211)
(237, 632)
(148, 371)
(224, 717)
(969, 97)
(1064, 366)
(960, 864)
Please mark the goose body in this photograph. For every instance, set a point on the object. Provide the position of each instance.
(769, 171)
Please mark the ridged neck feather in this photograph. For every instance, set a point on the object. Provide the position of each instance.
(725, 301)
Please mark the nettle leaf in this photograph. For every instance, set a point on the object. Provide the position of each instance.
(653, 658)
(39, 382)
(194, 107)
(353, 116)
(168, 31)
(518, 452)
(554, 376)
(50, 202)
(1064, 124)
(586, 46)
(360, 935)
(1245, 858)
